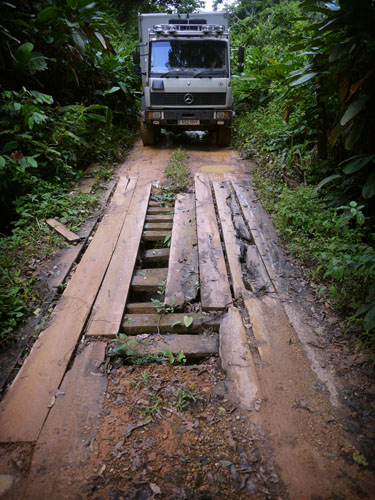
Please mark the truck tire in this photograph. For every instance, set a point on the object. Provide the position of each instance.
(223, 136)
(147, 134)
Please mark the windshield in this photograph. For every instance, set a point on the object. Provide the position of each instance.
(189, 57)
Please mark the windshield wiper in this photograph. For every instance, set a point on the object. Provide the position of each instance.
(210, 72)
(173, 72)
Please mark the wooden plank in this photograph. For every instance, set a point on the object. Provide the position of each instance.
(133, 324)
(237, 361)
(140, 308)
(110, 303)
(160, 211)
(215, 289)
(63, 445)
(155, 235)
(257, 275)
(149, 280)
(154, 203)
(158, 226)
(159, 218)
(64, 231)
(86, 184)
(25, 406)
(156, 255)
(231, 239)
(265, 252)
(193, 346)
(183, 273)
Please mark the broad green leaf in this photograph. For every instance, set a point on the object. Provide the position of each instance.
(326, 180)
(111, 90)
(355, 163)
(10, 146)
(96, 117)
(23, 55)
(176, 323)
(188, 321)
(368, 190)
(47, 14)
(2, 161)
(353, 109)
(303, 79)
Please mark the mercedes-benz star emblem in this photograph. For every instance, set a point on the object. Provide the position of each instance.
(188, 99)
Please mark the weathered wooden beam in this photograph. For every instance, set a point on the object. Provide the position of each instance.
(156, 255)
(215, 288)
(158, 226)
(63, 231)
(110, 303)
(133, 324)
(193, 346)
(183, 273)
(149, 280)
(155, 235)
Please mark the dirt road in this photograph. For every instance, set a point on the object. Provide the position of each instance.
(257, 410)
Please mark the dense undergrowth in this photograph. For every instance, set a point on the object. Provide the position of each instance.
(305, 113)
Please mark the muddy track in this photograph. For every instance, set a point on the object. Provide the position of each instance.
(263, 419)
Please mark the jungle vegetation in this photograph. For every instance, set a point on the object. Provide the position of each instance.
(305, 114)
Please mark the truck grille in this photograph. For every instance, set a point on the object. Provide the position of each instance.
(177, 98)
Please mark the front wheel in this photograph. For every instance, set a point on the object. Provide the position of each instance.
(147, 134)
(223, 136)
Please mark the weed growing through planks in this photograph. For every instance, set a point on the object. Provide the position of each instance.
(177, 171)
(134, 351)
(162, 307)
(180, 358)
(162, 287)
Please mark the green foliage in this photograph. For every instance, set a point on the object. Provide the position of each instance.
(177, 171)
(184, 397)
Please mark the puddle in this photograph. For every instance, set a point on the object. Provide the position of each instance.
(217, 168)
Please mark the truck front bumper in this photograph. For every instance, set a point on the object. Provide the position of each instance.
(188, 119)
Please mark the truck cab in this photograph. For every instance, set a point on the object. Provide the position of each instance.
(185, 67)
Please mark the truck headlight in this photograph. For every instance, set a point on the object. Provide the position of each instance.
(220, 115)
(156, 115)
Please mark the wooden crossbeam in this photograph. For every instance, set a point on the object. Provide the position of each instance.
(133, 324)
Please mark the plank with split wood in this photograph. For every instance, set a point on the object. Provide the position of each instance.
(257, 274)
(155, 235)
(237, 361)
(110, 303)
(183, 272)
(232, 240)
(193, 346)
(215, 289)
(156, 255)
(62, 446)
(64, 231)
(133, 324)
(149, 280)
(266, 254)
(25, 406)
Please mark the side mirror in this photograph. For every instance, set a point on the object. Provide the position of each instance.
(241, 54)
(136, 57)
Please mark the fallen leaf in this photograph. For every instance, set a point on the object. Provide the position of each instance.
(225, 463)
(188, 320)
(102, 469)
(155, 489)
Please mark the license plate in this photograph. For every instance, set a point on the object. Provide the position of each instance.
(188, 122)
